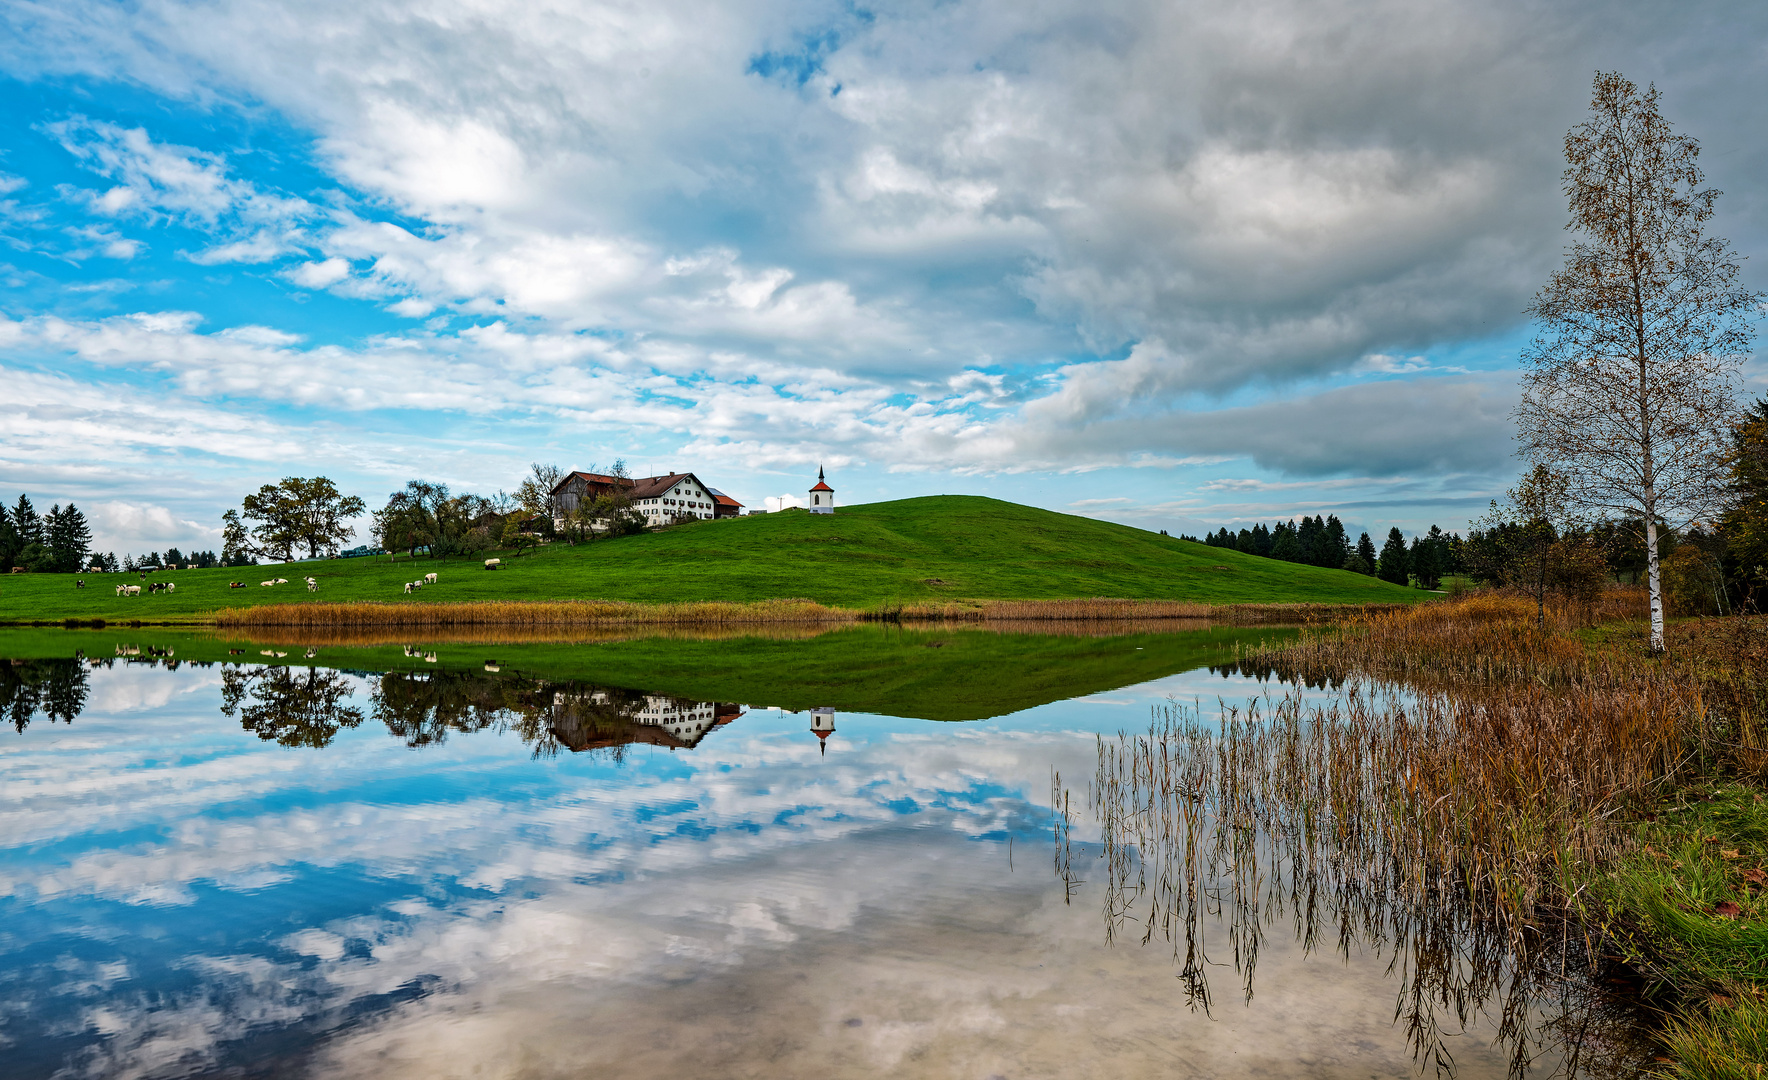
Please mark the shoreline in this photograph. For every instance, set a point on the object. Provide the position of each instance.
(600, 613)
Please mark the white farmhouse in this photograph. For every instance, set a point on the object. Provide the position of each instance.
(822, 497)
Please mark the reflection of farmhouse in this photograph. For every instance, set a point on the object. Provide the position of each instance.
(662, 500)
(601, 719)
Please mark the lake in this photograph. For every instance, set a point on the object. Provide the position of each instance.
(805, 855)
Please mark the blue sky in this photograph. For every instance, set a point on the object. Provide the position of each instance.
(1156, 262)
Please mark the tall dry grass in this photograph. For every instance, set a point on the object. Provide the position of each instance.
(503, 634)
(582, 613)
(1450, 804)
(564, 613)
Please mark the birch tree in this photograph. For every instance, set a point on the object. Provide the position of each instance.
(1629, 385)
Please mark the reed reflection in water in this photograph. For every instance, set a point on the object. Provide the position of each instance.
(1326, 819)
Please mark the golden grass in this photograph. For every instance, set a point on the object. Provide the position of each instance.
(501, 634)
(567, 613)
(1149, 614)
(1453, 802)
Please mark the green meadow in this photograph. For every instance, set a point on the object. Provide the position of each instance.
(944, 674)
(926, 550)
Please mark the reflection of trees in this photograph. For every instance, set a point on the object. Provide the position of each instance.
(423, 708)
(55, 688)
(293, 708)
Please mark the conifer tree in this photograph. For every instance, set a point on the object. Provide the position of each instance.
(26, 522)
(67, 537)
(1284, 543)
(1366, 552)
(1338, 545)
(1393, 563)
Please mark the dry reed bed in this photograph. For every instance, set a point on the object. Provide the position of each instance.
(573, 613)
(560, 613)
(1448, 833)
(1448, 805)
(503, 634)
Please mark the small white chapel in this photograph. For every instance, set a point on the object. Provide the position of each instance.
(822, 497)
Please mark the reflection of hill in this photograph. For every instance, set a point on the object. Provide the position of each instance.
(946, 673)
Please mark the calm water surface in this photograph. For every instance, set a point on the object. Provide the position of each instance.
(607, 884)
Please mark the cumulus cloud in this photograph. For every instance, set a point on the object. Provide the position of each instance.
(155, 180)
(972, 237)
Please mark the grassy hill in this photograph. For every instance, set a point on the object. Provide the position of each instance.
(946, 547)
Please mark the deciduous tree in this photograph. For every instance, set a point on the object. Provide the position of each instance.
(1629, 383)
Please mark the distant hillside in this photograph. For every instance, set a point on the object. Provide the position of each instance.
(946, 547)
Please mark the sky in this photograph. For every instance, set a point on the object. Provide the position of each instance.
(1177, 264)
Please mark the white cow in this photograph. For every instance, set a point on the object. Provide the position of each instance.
(265, 584)
(282, 581)
(429, 579)
(410, 586)
(171, 586)
(492, 564)
(131, 590)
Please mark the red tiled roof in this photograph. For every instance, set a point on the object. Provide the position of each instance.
(820, 486)
(592, 478)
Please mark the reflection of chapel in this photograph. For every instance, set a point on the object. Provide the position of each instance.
(822, 497)
(822, 723)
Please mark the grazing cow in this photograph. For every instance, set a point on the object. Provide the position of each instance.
(429, 658)
(491, 665)
(429, 579)
(311, 653)
(79, 583)
(312, 586)
(171, 586)
(131, 590)
(408, 587)
(266, 652)
(492, 564)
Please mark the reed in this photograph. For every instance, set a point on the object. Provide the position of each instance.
(565, 613)
(1456, 802)
(1106, 609)
(354, 636)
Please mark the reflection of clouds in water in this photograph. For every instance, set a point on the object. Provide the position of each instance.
(731, 911)
(126, 688)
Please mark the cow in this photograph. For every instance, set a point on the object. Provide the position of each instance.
(79, 583)
(429, 579)
(171, 586)
(313, 586)
(131, 590)
(408, 587)
(265, 584)
(492, 564)
(282, 581)
(236, 584)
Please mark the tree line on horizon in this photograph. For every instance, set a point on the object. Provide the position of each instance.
(1324, 542)
(57, 541)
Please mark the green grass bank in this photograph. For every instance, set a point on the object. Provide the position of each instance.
(934, 550)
